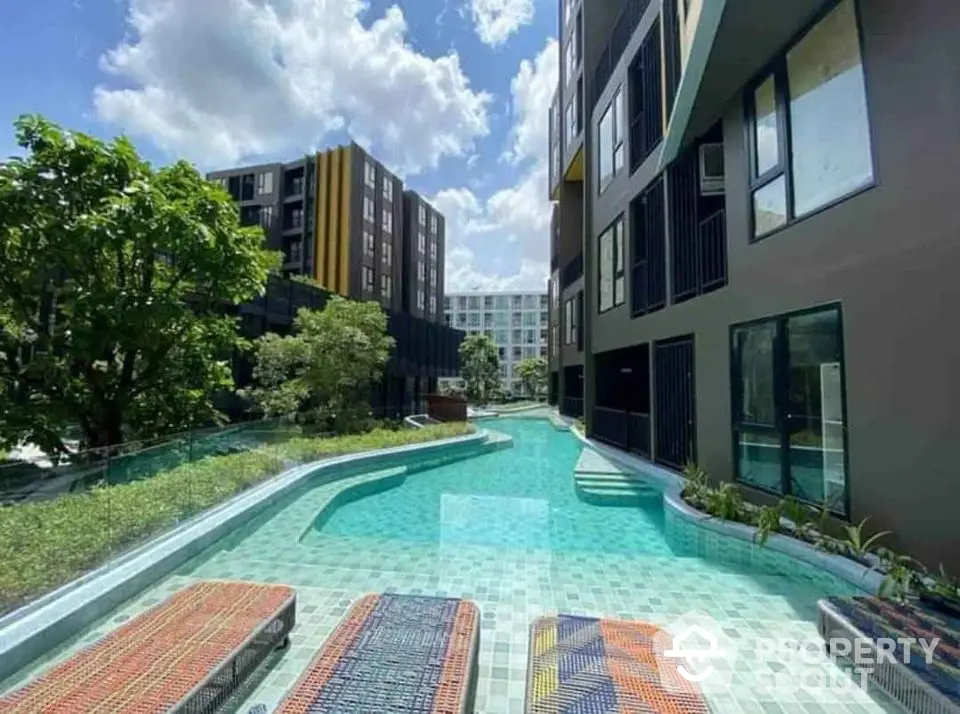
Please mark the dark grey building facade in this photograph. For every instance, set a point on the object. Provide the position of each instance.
(760, 197)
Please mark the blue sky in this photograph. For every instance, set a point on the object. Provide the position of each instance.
(453, 94)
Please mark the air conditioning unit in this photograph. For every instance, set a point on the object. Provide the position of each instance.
(711, 169)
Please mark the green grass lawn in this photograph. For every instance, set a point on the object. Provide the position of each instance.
(45, 544)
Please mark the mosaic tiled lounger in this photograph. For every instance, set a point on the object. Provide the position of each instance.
(921, 687)
(394, 653)
(187, 654)
(585, 664)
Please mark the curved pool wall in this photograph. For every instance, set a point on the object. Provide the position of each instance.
(47, 622)
(692, 533)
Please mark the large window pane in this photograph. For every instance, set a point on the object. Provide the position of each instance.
(606, 270)
(606, 146)
(815, 408)
(766, 136)
(770, 207)
(754, 352)
(829, 129)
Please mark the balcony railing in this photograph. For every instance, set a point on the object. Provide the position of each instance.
(572, 407)
(619, 39)
(622, 428)
(712, 236)
(571, 271)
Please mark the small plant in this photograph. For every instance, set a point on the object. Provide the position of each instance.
(903, 575)
(581, 425)
(725, 503)
(856, 544)
(767, 522)
(797, 513)
(697, 485)
(941, 587)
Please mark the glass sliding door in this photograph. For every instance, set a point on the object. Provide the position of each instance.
(758, 438)
(788, 406)
(815, 408)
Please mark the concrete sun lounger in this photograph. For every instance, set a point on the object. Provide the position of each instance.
(586, 664)
(187, 654)
(394, 653)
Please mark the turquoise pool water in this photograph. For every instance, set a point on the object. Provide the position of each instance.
(519, 498)
(506, 530)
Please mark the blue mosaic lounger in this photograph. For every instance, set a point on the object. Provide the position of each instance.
(919, 686)
(394, 653)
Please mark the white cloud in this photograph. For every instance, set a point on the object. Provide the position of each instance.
(220, 80)
(496, 20)
(502, 241)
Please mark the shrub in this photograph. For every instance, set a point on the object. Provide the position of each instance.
(48, 543)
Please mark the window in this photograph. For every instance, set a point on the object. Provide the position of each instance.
(433, 304)
(387, 252)
(368, 213)
(543, 318)
(370, 174)
(433, 276)
(462, 303)
(530, 336)
(474, 302)
(421, 276)
(569, 322)
(433, 251)
(518, 352)
(571, 127)
(461, 319)
(473, 319)
(421, 243)
(611, 280)
(369, 244)
(571, 54)
(434, 225)
(422, 215)
(264, 183)
(368, 276)
(387, 220)
(266, 216)
(517, 302)
(386, 287)
(817, 94)
(387, 188)
(788, 406)
(612, 127)
(567, 10)
(544, 302)
(295, 218)
(516, 319)
(446, 304)
(420, 300)
(517, 336)
(555, 290)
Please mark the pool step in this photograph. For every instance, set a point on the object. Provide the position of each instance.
(599, 481)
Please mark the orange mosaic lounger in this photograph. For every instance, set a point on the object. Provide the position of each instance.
(585, 664)
(394, 653)
(188, 654)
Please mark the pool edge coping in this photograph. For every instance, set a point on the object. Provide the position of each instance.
(26, 633)
(845, 569)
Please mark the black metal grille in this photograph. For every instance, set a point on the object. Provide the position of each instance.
(572, 271)
(625, 429)
(648, 229)
(580, 323)
(699, 247)
(646, 99)
(671, 51)
(227, 680)
(674, 402)
(572, 407)
(619, 39)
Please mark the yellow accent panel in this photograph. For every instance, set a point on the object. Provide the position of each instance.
(345, 197)
(575, 172)
(320, 254)
(333, 214)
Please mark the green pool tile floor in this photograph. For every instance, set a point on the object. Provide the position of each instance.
(507, 531)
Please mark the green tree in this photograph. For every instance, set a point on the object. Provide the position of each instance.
(533, 373)
(113, 280)
(330, 362)
(479, 368)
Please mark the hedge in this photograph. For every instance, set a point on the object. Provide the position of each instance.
(45, 544)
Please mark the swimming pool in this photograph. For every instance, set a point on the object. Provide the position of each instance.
(507, 530)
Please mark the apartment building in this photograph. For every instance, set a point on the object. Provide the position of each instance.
(343, 219)
(755, 207)
(516, 321)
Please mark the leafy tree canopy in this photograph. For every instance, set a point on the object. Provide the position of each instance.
(113, 282)
(480, 368)
(533, 373)
(330, 362)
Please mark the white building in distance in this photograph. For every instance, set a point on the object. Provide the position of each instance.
(516, 321)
